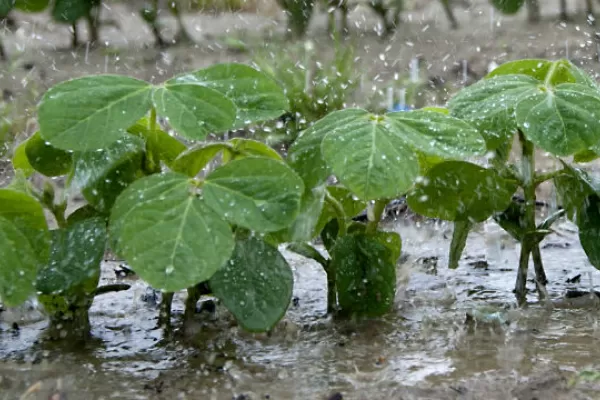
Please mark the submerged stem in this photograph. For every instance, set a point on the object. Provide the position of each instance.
(164, 314)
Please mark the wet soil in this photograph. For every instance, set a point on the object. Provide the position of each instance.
(453, 335)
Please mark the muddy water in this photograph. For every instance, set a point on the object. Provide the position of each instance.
(423, 349)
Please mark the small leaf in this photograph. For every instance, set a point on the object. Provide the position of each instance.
(259, 194)
(366, 279)
(585, 156)
(459, 241)
(508, 6)
(437, 134)
(351, 204)
(92, 112)
(167, 234)
(45, 159)
(573, 186)
(18, 264)
(562, 121)
(489, 105)
(75, 257)
(255, 285)
(369, 156)
(103, 175)
(539, 69)
(249, 147)
(69, 11)
(392, 241)
(31, 6)
(163, 146)
(588, 221)
(461, 191)
(84, 213)
(21, 162)
(196, 158)
(256, 96)
(193, 110)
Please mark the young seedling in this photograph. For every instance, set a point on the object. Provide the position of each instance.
(376, 158)
(549, 105)
(146, 196)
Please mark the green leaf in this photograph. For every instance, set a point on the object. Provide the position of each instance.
(489, 105)
(196, 158)
(437, 134)
(103, 175)
(573, 186)
(392, 241)
(20, 160)
(31, 6)
(256, 96)
(92, 112)
(508, 6)
(538, 69)
(305, 154)
(260, 194)
(585, 156)
(369, 155)
(158, 142)
(249, 147)
(588, 221)
(167, 234)
(461, 191)
(459, 241)
(351, 204)
(45, 159)
(85, 213)
(365, 277)
(6, 7)
(562, 121)
(75, 257)
(304, 228)
(69, 11)
(512, 220)
(255, 285)
(18, 264)
(193, 110)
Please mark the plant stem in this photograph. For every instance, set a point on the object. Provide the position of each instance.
(164, 314)
(152, 121)
(374, 219)
(540, 274)
(340, 214)
(527, 243)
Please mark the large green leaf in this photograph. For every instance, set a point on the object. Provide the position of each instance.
(365, 275)
(18, 265)
(255, 285)
(369, 156)
(588, 221)
(45, 159)
(167, 234)
(260, 194)
(461, 191)
(103, 175)
(92, 112)
(196, 158)
(305, 154)
(562, 120)
(437, 134)
(490, 105)
(158, 142)
(75, 257)
(193, 110)
(256, 96)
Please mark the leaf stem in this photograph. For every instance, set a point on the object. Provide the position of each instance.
(340, 214)
(152, 121)
(374, 219)
(541, 178)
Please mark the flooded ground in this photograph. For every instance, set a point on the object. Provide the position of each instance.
(425, 348)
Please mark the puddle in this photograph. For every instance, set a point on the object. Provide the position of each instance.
(423, 349)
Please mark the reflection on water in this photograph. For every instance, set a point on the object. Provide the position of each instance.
(424, 348)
